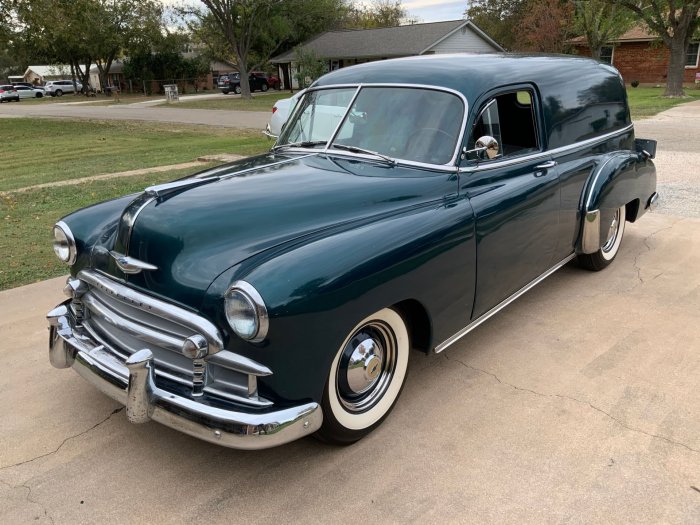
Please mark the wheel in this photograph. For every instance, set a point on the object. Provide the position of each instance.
(606, 254)
(365, 378)
(38, 95)
(264, 87)
(237, 90)
(59, 93)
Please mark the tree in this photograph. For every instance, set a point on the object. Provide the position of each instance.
(500, 19)
(309, 66)
(123, 26)
(378, 13)
(545, 26)
(675, 21)
(83, 32)
(249, 32)
(239, 21)
(600, 21)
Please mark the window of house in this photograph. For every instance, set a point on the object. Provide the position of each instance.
(691, 56)
(606, 54)
(510, 119)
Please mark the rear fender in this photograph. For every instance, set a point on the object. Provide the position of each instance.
(620, 179)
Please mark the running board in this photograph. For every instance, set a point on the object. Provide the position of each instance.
(500, 306)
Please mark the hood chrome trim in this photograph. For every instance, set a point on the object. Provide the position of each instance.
(130, 265)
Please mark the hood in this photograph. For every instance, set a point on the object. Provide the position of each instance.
(200, 231)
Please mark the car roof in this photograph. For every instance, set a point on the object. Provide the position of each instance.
(569, 87)
(472, 74)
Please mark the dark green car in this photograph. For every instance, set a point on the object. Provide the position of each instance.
(277, 297)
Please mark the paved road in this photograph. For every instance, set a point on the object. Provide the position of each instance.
(220, 118)
(678, 158)
(579, 403)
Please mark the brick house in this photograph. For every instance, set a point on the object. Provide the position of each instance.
(640, 55)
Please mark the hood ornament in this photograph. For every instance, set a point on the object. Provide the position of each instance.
(130, 265)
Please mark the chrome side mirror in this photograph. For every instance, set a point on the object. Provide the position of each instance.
(489, 145)
(485, 144)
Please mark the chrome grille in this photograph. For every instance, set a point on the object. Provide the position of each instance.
(125, 321)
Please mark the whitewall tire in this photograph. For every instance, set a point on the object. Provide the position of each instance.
(366, 377)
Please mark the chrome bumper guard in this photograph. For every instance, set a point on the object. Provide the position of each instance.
(653, 202)
(133, 384)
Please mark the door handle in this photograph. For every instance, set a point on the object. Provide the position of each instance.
(541, 169)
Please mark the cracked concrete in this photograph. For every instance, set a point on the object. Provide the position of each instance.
(578, 403)
(587, 403)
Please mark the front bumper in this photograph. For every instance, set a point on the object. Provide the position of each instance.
(133, 384)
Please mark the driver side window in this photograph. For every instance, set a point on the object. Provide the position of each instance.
(510, 119)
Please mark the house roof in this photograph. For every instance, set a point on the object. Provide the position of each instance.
(638, 33)
(49, 71)
(387, 42)
(116, 67)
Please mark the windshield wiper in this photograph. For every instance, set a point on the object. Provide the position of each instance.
(355, 149)
(301, 144)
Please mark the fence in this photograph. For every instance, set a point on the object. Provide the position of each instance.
(158, 86)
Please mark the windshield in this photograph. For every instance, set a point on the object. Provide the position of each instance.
(414, 124)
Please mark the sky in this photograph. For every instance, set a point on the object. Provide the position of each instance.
(435, 10)
(424, 10)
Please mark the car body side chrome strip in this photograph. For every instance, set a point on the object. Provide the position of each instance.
(464, 331)
(487, 165)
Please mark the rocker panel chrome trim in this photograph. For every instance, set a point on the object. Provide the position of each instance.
(500, 306)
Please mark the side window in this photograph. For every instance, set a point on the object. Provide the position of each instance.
(510, 119)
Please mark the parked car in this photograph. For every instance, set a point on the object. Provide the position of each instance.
(279, 296)
(274, 82)
(28, 84)
(232, 82)
(29, 92)
(8, 93)
(57, 88)
(280, 114)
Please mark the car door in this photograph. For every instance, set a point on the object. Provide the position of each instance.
(514, 192)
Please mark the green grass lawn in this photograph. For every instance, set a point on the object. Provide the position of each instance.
(259, 102)
(26, 218)
(648, 101)
(47, 150)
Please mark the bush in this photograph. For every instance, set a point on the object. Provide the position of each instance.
(634, 83)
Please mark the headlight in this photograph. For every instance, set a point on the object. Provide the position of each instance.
(246, 312)
(64, 243)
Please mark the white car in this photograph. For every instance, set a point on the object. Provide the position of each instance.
(280, 113)
(29, 92)
(56, 88)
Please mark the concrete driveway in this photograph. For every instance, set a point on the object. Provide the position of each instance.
(579, 403)
(144, 111)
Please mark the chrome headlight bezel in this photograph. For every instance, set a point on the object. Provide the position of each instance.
(246, 292)
(63, 236)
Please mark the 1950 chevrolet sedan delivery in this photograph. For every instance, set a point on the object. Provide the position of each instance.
(277, 297)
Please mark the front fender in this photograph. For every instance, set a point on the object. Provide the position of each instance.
(317, 291)
(620, 179)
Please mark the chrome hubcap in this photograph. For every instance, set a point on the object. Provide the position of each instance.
(366, 367)
(612, 232)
